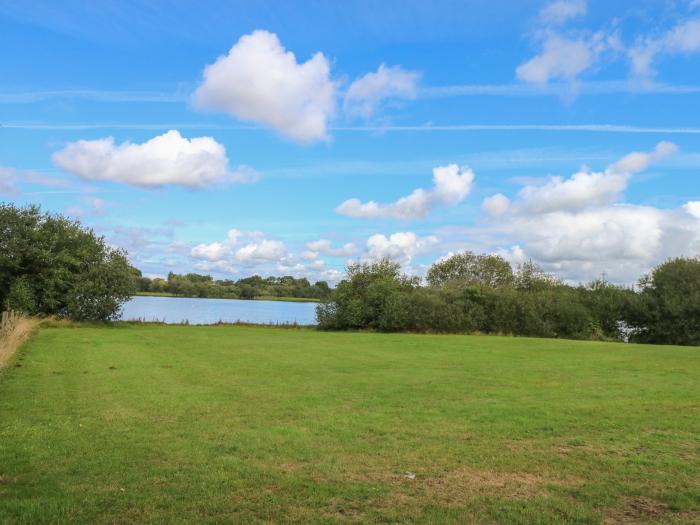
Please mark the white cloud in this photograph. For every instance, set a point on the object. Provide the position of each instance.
(401, 247)
(314, 271)
(323, 246)
(693, 207)
(241, 248)
(561, 11)
(214, 251)
(243, 253)
(496, 205)
(265, 250)
(683, 38)
(622, 241)
(580, 190)
(566, 52)
(587, 188)
(166, 159)
(638, 161)
(260, 81)
(562, 58)
(451, 185)
(578, 229)
(366, 93)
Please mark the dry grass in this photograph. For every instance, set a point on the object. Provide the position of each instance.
(643, 510)
(13, 339)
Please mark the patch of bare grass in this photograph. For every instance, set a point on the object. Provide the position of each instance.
(642, 510)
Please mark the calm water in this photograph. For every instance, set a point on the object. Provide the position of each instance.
(209, 311)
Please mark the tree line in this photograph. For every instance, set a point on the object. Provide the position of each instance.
(469, 293)
(52, 265)
(197, 285)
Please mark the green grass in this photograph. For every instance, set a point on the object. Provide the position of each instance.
(173, 424)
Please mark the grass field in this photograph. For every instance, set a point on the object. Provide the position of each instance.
(175, 424)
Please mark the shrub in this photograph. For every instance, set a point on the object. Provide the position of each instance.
(52, 265)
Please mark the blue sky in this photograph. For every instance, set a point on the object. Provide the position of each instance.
(230, 138)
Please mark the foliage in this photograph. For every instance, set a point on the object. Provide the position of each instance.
(197, 285)
(476, 293)
(668, 309)
(363, 299)
(466, 267)
(52, 265)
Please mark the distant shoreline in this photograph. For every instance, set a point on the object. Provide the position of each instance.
(259, 298)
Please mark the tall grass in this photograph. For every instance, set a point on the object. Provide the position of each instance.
(13, 338)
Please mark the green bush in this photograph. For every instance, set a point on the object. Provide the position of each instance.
(52, 265)
(460, 299)
(668, 308)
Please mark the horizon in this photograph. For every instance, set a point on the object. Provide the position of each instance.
(558, 132)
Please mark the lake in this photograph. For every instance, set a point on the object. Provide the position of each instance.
(174, 310)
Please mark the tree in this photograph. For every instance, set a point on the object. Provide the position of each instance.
(669, 307)
(608, 305)
(247, 291)
(530, 277)
(490, 271)
(361, 300)
(52, 265)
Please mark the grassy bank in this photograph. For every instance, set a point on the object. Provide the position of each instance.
(288, 299)
(172, 424)
(12, 339)
(258, 298)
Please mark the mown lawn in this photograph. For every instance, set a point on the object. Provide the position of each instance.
(226, 424)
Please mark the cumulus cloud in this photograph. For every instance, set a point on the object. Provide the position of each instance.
(367, 93)
(240, 248)
(260, 81)
(693, 207)
(324, 247)
(214, 251)
(242, 253)
(265, 250)
(639, 161)
(622, 241)
(401, 247)
(578, 228)
(586, 188)
(166, 159)
(451, 185)
(496, 205)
